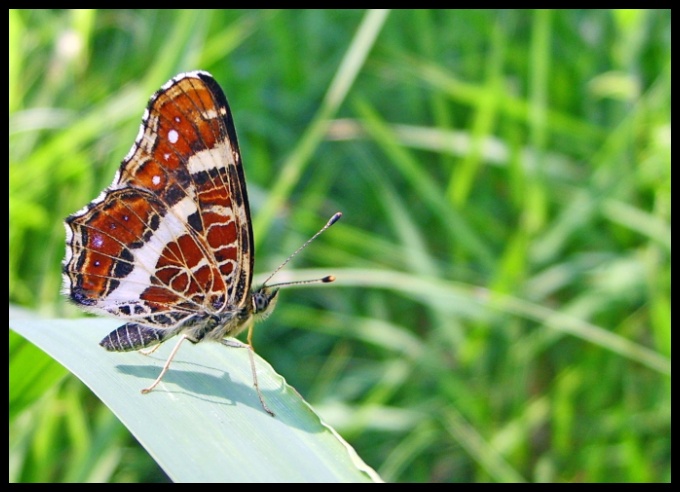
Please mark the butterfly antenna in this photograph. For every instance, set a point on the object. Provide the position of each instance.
(325, 280)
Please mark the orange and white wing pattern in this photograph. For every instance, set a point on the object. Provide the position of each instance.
(168, 246)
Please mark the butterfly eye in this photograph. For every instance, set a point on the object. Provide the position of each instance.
(260, 302)
(264, 301)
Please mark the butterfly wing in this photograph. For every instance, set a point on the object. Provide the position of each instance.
(170, 241)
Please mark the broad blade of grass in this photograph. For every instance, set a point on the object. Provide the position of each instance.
(204, 421)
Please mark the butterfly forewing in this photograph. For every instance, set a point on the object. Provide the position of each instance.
(171, 238)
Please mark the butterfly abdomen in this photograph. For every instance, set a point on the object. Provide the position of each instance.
(132, 336)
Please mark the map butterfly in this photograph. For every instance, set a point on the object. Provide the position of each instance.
(168, 246)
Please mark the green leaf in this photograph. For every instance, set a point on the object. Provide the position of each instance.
(204, 421)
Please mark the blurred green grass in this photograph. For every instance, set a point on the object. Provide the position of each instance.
(502, 310)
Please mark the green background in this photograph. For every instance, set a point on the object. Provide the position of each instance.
(502, 308)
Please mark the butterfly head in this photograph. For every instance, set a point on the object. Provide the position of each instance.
(263, 301)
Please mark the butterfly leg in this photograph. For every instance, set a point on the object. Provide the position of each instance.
(149, 351)
(166, 366)
(236, 344)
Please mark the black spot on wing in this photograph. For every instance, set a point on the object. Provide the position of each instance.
(235, 180)
(174, 194)
(79, 296)
(245, 239)
(122, 268)
(195, 221)
(154, 222)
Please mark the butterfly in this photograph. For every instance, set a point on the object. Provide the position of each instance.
(168, 246)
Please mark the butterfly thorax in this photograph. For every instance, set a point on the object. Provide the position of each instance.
(232, 322)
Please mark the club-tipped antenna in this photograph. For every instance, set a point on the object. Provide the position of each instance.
(325, 280)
